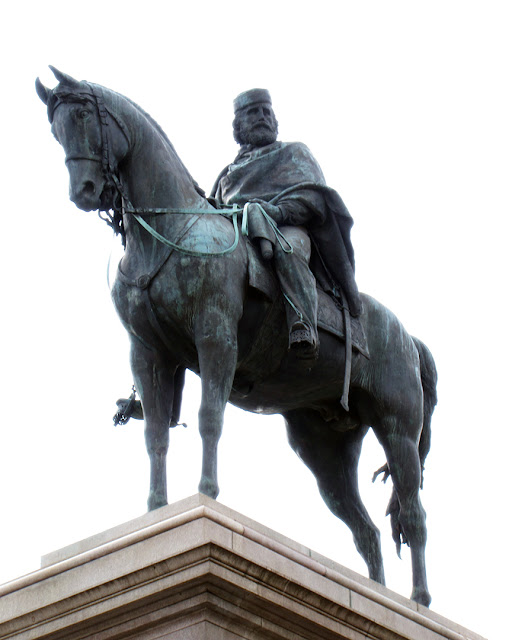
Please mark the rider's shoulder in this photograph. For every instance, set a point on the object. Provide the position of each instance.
(298, 147)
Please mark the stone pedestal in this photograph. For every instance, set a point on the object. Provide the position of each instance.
(197, 570)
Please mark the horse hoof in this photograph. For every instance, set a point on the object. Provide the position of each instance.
(421, 596)
(208, 488)
(155, 502)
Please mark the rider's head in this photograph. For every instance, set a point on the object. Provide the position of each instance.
(255, 122)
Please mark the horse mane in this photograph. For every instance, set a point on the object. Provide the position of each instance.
(161, 132)
(69, 90)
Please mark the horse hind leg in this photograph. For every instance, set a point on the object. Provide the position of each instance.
(333, 458)
(401, 447)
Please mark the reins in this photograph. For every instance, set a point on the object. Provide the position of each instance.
(190, 252)
(232, 211)
(137, 212)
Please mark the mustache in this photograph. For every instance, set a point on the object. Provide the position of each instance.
(262, 125)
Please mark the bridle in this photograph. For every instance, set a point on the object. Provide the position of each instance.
(122, 206)
(120, 203)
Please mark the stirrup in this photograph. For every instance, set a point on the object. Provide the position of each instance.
(302, 343)
(300, 335)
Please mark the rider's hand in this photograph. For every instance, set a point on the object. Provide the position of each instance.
(271, 209)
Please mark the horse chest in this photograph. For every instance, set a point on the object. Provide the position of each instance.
(152, 315)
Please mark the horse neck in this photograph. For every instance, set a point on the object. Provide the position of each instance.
(155, 175)
(155, 178)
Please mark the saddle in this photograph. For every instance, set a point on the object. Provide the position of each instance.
(270, 343)
(330, 318)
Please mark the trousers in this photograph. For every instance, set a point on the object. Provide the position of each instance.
(297, 282)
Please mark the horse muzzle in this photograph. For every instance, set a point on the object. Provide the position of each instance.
(86, 184)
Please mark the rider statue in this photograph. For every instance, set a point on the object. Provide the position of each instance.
(285, 180)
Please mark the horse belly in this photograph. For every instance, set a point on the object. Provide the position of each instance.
(298, 383)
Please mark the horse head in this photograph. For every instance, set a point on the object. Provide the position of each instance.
(93, 138)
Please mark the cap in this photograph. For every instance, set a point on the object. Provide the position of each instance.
(253, 96)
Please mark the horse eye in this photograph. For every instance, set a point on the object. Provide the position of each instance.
(83, 113)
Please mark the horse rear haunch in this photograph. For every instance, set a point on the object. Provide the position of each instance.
(428, 374)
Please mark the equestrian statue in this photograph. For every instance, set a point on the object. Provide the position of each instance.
(253, 289)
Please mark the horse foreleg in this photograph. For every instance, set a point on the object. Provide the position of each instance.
(154, 383)
(217, 362)
(405, 467)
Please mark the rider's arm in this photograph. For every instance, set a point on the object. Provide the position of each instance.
(304, 208)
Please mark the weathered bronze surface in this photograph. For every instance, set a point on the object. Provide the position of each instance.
(191, 294)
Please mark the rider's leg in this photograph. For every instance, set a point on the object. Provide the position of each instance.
(298, 285)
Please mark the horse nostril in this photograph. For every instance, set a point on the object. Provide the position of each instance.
(88, 188)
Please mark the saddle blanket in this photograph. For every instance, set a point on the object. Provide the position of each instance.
(330, 317)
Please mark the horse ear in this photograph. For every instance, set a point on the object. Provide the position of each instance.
(64, 78)
(42, 91)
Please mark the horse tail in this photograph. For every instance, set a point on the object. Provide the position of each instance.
(428, 373)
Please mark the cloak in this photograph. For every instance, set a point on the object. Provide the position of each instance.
(286, 174)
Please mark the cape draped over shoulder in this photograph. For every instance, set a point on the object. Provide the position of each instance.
(267, 172)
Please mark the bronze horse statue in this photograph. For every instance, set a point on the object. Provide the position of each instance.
(183, 294)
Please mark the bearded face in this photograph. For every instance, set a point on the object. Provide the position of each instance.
(255, 125)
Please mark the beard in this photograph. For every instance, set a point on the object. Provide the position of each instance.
(259, 136)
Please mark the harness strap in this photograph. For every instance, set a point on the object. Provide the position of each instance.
(348, 354)
(106, 162)
(341, 302)
(144, 280)
(189, 252)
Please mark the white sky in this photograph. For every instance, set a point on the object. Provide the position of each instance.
(407, 106)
